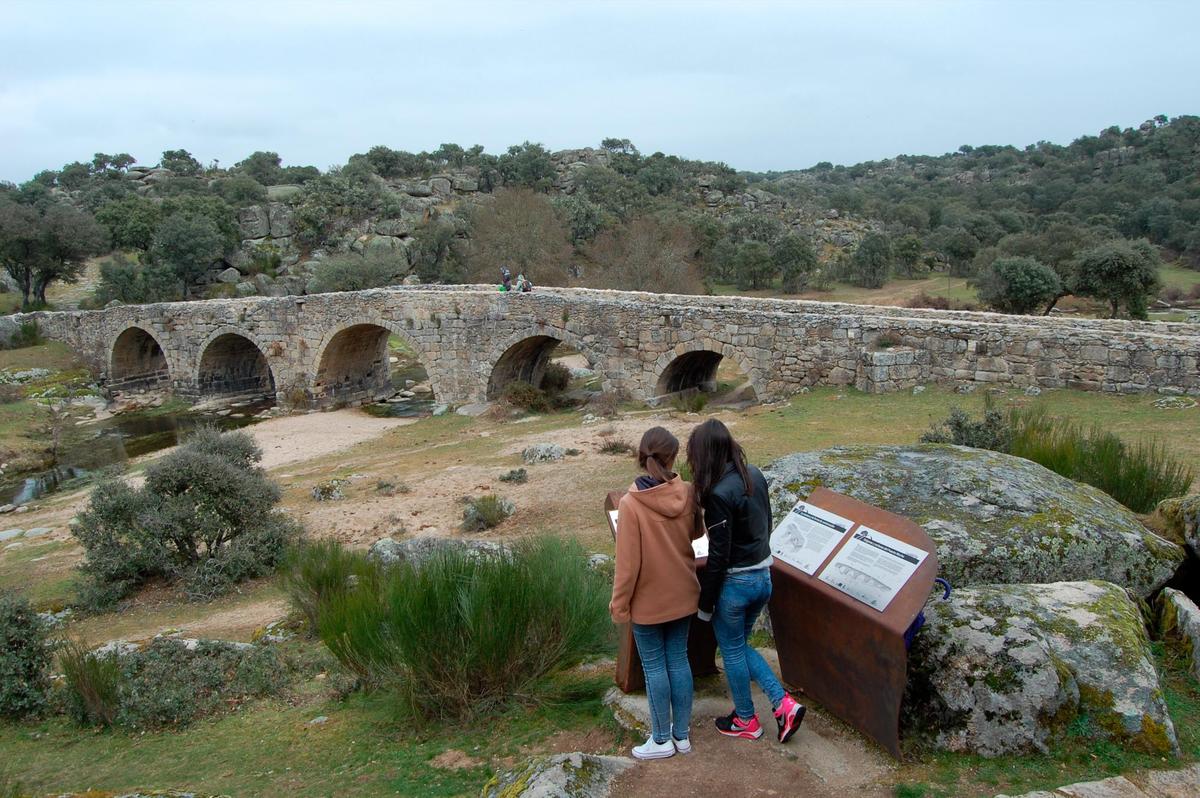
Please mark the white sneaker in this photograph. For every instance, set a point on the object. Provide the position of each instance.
(682, 746)
(653, 750)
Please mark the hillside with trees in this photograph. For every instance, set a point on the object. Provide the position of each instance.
(1024, 227)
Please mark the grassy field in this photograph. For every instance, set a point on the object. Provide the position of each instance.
(896, 292)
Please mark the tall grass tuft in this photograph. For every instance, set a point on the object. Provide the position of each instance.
(462, 633)
(93, 684)
(1139, 476)
(315, 571)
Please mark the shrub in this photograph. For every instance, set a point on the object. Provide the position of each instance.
(206, 514)
(993, 431)
(518, 476)
(519, 393)
(351, 272)
(26, 334)
(606, 405)
(463, 632)
(924, 300)
(315, 571)
(556, 378)
(24, 658)
(167, 684)
(486, 512)
(616, 447)
(1139, 476)
(691, 402)
(93, 685)
(387, 487)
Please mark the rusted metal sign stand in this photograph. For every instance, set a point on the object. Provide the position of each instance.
(702, 645)
(849, 657)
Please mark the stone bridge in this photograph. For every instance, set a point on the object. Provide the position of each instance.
(328, 349)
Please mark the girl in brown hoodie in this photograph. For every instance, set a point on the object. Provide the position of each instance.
(655, 587)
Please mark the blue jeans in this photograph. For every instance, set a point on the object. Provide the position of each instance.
(742, 598)
(663, 650)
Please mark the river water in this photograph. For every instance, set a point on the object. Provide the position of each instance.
(114, 441)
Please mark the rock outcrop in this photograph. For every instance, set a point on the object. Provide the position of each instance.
(1007, 669)
(1183, 520)
(387, 551)
(573, 775)
(995, 518)
(1179, 625)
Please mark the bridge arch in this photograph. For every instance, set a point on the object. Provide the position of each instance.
(523, 356)
(694, 365)
(233, 363)
(137, 361)
(353, 362)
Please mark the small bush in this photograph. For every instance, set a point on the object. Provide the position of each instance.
(993, 431)
(518, 476)
(523, 395)
(11, 393)
(614, 446)
(486, 512)
(887, 340)
(691, 402)
(206, 514)
(93, 685)
(924, 300)
(606, 405)
(167, 683)
(1138, 476)
(313, 572)
(464, 633)
(387, 487)
(556, 378)
(27, 334)
(24, 658)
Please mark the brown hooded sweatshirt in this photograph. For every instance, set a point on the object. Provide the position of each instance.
(655, 580)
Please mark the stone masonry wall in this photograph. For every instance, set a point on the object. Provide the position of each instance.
(460, 332)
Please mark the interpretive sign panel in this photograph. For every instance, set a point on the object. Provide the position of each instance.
(807, 536)
(872, 567)
(846, 650)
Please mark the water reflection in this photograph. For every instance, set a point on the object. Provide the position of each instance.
(121, 438)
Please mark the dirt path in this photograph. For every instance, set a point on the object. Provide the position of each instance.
(825, 759)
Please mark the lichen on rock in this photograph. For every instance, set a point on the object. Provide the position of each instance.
(573, 775)
(995, 518)
(1005, 669)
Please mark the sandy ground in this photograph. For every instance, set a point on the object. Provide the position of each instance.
(290, 439)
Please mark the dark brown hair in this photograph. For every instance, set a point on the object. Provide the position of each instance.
(710, 449)
(657, 453)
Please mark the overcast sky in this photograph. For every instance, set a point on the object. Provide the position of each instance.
(759, 85)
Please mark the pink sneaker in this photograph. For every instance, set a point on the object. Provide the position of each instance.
(733, 726)
(789, 716)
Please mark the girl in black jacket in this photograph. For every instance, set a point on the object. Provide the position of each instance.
(736, 583)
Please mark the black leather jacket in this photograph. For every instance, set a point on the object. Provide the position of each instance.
(739, 530)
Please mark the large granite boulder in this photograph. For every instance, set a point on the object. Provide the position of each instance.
(573, 775)
(994, 517)
(1179, 625)
(1006, 669)
(281, 219)
(254, 222)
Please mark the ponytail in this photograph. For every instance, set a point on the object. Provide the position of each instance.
(657, 452)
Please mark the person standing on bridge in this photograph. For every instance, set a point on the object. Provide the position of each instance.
(505, 279)
(655, 587)
(736, 583)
